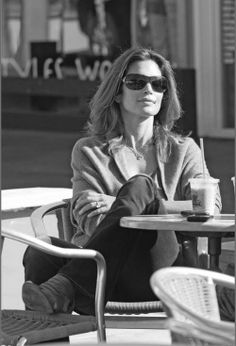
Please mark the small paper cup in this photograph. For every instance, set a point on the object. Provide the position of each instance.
(203, 192)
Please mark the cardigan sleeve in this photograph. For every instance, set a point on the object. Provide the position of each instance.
(85, 178)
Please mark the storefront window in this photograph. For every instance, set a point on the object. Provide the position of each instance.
(228, 60)
(57, 51)
(90, 29)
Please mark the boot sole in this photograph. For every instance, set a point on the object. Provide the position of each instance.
(34, 298)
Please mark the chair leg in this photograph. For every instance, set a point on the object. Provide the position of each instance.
(214, 250)
(189, 250)
(2, 242)
(203, 256)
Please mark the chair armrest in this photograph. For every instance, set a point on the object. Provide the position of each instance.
(70, 253)
(37, 216)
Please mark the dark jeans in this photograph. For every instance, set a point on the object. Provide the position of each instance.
(126, 251)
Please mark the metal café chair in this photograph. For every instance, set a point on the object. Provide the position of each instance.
(66, 231)
(19, 327)
(190, 300)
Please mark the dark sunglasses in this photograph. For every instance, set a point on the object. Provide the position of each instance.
(138, 81)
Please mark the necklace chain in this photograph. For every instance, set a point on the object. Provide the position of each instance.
(138, 155)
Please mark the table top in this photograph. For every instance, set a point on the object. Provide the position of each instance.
(177, 222)
(21, 202)
(32, 197)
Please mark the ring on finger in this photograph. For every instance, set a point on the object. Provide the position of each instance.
(97, 205)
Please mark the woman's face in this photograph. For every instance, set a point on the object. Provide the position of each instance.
(144, 102)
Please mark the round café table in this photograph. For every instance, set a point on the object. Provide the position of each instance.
(222, 225)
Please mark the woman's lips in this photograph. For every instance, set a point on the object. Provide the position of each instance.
(147, 100)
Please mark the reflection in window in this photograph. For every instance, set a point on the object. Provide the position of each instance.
(152, 30)
(12, 16)
(100, 20)
(90, 30)
(64, 26)
(90, 26)
(156, 26)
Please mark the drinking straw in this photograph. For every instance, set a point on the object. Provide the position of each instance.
(203, 157)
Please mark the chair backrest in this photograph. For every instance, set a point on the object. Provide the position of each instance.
(190, 289)
(190, 295)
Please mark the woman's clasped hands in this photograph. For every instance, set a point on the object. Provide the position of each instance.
(94, 203)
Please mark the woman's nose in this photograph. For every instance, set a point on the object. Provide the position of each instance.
(148, 88)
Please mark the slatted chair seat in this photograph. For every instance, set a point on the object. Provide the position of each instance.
(32, 327)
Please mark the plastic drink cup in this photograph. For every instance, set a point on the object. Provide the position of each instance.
(233, 181)
(203, 192)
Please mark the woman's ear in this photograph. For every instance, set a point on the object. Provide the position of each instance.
(118, 98)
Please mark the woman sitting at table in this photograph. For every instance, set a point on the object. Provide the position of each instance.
(131, 163)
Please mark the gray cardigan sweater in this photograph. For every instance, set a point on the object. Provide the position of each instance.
(102, 167)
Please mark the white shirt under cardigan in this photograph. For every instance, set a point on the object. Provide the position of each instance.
(103, 167)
